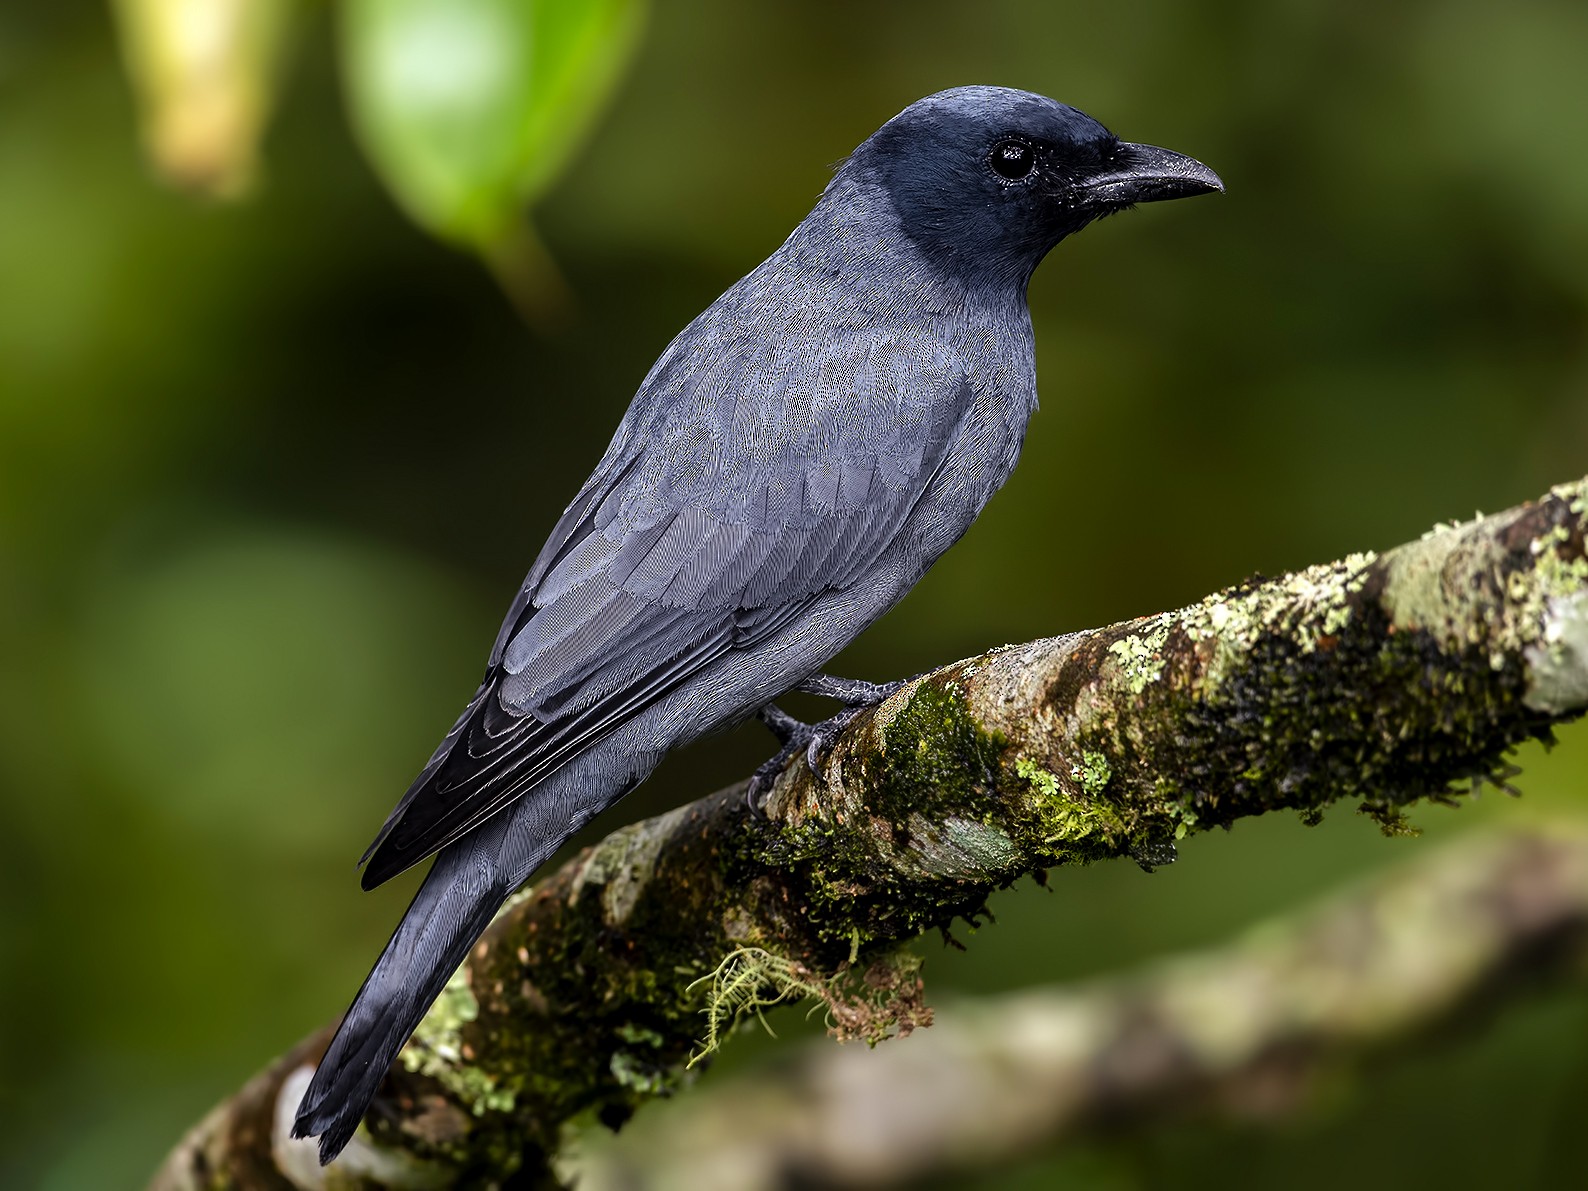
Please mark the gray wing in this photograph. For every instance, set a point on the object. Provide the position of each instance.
(708, 528)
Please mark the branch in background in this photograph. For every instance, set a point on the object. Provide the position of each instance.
(1384, 678)
(1245, 1031)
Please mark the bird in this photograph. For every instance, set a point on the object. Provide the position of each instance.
(792, 464)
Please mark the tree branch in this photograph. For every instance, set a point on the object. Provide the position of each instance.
(1385, 678)
(1245, 1031)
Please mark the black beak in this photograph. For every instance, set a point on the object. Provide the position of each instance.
(1148, 174)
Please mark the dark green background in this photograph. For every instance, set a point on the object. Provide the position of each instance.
(270, 472)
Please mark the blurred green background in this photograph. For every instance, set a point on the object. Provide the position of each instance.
(271, 469)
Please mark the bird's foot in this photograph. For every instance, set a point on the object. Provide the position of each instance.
(814, 740)
(794, 736)
(823, 736)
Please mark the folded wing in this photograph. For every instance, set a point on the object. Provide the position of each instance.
(715, 521)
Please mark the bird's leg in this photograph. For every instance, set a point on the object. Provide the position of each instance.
(856, 695)
(814, 739)
(782, 725)
(793, 735)
(851, 692)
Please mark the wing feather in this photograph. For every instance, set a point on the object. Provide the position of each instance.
(714, 529)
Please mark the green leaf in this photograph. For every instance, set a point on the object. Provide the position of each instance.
(470, 108)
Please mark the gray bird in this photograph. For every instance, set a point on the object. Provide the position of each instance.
(791, 466)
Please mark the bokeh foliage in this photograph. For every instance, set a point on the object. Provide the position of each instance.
(270, 470)
(470, 107)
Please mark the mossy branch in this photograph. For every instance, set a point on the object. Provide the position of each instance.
(1385, 678)
(1253, 1030)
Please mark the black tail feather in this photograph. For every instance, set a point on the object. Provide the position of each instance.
(448, 914)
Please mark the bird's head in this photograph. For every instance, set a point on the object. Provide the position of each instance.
(986, 179)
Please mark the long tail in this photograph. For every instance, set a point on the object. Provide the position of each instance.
(468, 883)
(453, 907)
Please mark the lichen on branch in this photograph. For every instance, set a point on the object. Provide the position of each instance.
(1255, 1030)
(1382, 679)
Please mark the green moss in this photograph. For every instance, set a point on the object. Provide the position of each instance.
(934, 755)
(1082, 831)
(1093, 773)
(923, 846)
(437, 1050)
(1044, 783)
(1066, 827)
(933, 759)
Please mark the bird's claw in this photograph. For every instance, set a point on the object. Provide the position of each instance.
(794, 737)
(823, 736)
(765, 774)
(814, 740)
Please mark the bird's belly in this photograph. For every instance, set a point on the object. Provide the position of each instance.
(741, 683)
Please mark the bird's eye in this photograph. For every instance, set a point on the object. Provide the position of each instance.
(1012, 160)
